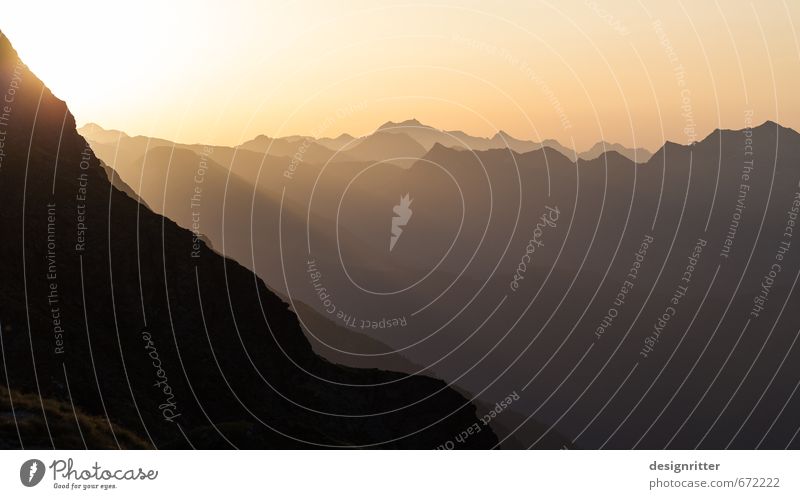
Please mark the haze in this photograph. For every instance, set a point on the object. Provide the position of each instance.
(637, 73)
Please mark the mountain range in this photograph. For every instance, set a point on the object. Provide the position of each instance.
(475, 212)
(400, 143)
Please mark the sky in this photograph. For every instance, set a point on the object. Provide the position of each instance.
(634, 72)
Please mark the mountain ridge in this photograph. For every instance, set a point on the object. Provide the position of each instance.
(346, 141)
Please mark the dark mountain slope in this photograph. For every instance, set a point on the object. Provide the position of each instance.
(137, 322)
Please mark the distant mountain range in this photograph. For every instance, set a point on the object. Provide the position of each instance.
(476, 214)
(400, 143)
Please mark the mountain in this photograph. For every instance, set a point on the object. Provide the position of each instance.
(428, 136)
(96, 133)
(348, 347)
(502, 140)
(120, 184)
(166, 177)
(637, 155)
(118, 148)
(240, 204)
(556, 146)
(397, 148)
(339, 143)
(379, 147)
(412, 124)
(296, 146)
(715, 374)
(137, 322)
(241, 220)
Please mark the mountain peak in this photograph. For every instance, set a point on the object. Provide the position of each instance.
(504, 136)
(412, 123)
(438, 150)
(771, 125)
(95, 132)
(92, 126)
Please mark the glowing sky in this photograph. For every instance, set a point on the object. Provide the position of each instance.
(577, 71)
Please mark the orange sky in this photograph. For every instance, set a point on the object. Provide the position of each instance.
(577, 71)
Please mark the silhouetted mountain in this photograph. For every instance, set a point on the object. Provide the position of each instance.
(239, 207)
(305, 148)
(120, 184)
(321, 150)
(711, 379)
(502, 140)
(339, 143)
(137, 321)
(637, 155)
(96, 133)
(412, 123)
(347, 347)
(119, 150)
(397, 148)
(428, 136)
(556, 146)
